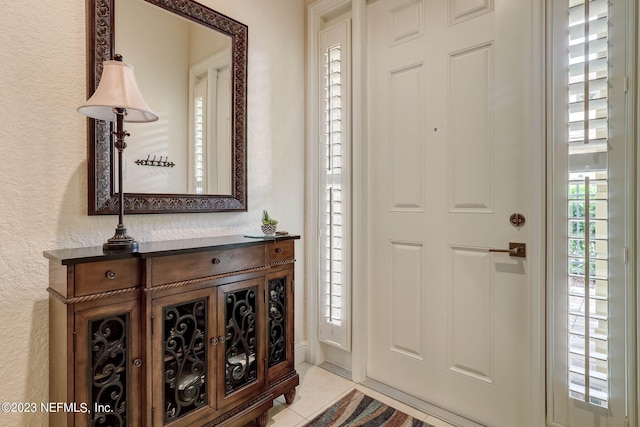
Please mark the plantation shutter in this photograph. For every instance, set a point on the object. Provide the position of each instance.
(200, 137)
(334, 263)
(588, 228)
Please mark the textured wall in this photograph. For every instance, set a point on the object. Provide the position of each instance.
(43, 183)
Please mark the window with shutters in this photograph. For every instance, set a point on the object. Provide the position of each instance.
(587, 202)
(591, 201)
(209, 125)
(334, 182)
(199, 133)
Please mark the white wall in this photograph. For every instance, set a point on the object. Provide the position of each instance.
(147, 36)
(43, 165)
(203, 43)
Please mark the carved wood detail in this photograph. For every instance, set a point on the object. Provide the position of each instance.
(230, 414)
(91, 297)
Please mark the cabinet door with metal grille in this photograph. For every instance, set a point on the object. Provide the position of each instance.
(108, 350)
(241, 340)
(280, 327)
(184, 374)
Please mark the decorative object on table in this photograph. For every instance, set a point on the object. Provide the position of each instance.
(358, 409)
(118, 99)
(153, 162)
(268, 224)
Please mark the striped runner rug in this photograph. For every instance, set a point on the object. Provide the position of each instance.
(356, 409)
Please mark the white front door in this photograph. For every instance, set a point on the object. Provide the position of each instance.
(451, 143)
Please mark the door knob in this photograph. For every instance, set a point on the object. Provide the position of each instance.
(518, 250)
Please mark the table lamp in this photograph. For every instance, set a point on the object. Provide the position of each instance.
(118, 99)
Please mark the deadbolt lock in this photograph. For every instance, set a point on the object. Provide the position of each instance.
(517, 219)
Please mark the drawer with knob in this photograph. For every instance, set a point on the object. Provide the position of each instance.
(176, 268)
(106, 276)
(280, 251)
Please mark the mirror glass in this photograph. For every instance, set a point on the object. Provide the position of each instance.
(191, 66)
(183, 70)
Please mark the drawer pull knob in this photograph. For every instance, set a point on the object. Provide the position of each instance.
(214, 341)
(137, 363)
(221, 339)
(215, 261)
(278, 250)
(110, 274)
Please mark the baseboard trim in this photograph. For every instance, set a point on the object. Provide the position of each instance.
(338, 370)
(301, 352)
(421, 405)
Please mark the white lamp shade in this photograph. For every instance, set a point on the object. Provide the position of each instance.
(118, 89)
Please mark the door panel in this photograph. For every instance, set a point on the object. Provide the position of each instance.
(470, 308)
(406, 106)
(470, 141)
(448, 144)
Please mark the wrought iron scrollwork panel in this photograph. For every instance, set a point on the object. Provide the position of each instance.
(185, 358)
(108, 350)
(277, 321)
(241, 343)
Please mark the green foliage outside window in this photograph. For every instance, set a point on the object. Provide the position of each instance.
(577, 228)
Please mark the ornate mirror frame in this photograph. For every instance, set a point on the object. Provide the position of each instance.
(100, 45)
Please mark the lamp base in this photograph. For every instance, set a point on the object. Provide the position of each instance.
(120, 242)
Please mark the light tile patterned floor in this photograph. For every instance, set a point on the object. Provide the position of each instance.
(318, 390)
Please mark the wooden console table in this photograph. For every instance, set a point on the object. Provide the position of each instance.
(192, 332)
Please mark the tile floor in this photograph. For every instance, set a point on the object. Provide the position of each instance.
(318, 390)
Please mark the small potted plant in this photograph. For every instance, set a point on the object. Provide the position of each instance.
(268, 224)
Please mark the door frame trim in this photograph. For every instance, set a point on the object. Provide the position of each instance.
(537, 279)
(360, 189)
